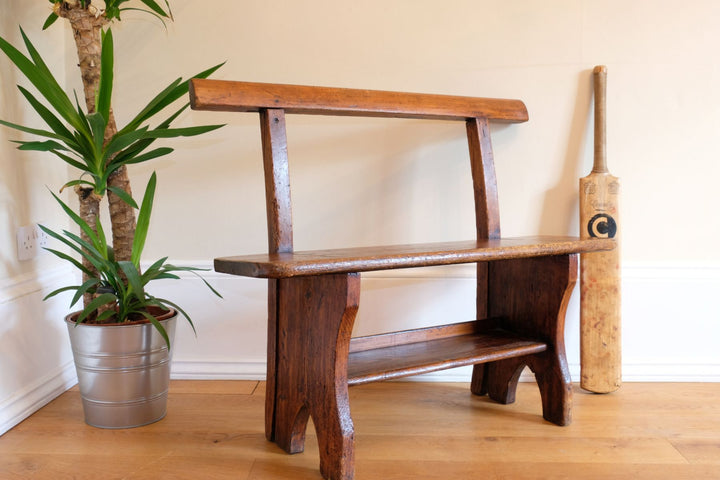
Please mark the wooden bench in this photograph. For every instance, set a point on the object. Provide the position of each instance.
(523, 284)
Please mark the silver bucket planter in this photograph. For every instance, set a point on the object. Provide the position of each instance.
(123, 371)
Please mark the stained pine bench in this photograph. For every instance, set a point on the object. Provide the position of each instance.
(523, 284)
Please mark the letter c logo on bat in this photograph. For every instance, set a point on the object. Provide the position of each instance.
(602, 225)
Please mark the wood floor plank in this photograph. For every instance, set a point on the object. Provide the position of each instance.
(518, 449)
(216, 387)
(404, 430)
(454, 469)
(699, 450)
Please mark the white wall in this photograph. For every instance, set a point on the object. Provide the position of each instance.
(406, 181)
(35, 358)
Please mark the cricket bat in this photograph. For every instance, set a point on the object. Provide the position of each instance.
(600, 326)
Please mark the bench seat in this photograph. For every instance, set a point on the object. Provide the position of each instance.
(364, 259)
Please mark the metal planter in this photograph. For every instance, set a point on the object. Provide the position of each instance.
(123, 371)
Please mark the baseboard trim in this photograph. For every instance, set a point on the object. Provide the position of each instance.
(255, 370)
(217, 370)
(24, 403)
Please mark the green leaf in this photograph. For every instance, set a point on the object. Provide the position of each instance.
(46, 146)
(122, 140)
(76, 218)
(167, 4)
(165, 275)
(60, 290)
(133, 276)
(90, 256)
(182, 132)
(70, 259)
(163, 301)
(158, 326)
(39, 75)
(71, 161)
(157, 264)
(208, 72)
(153, 271)
(123, 196)
(50, 20)
(172, 92)
(112, 12)
(105, 315)
(101, 245)
(84, 288)
(85, 131)
(97, 126)
(181, 90)
(72, 183)
(142, 144)
(104, 91)
(143, 221)
(152, 107)
(158, 152)
(194, 271)
(86, 145)
(52, 121)
(34, 131)
(96, 302)
(155, 7)
(88, 250)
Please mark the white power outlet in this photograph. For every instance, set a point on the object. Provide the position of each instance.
(30, 241)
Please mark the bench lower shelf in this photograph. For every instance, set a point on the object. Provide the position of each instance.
(402, 360)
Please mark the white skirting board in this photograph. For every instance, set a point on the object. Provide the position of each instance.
(670, 327)
(23, 403)
(255, 370)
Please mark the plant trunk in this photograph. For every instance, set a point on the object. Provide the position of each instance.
(89, 211)
(87, 29)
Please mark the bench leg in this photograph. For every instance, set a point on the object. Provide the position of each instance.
(315, 316)
(531, 295)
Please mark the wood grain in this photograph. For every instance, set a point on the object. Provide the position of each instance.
(487, 219)
(315, 320)
(482, 164)
(403, 337)
(531, 295)
(438, 354)
(214, 430)
(233, 96)
(362, 259)
(277, 181)
(278, 208)
(600, 279)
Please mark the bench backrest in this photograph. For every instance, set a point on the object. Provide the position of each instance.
(273, 101)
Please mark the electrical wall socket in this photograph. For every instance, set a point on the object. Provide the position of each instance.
(30, 241)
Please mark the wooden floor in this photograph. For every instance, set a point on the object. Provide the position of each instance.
(404, 430)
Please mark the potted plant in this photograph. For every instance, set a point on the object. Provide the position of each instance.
(117, 309)
(121, 339)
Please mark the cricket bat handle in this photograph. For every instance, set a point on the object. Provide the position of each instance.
(600, 87)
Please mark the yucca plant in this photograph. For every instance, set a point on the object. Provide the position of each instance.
(118, 287)
(82, 142)
(80, 138)
(87, 20)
